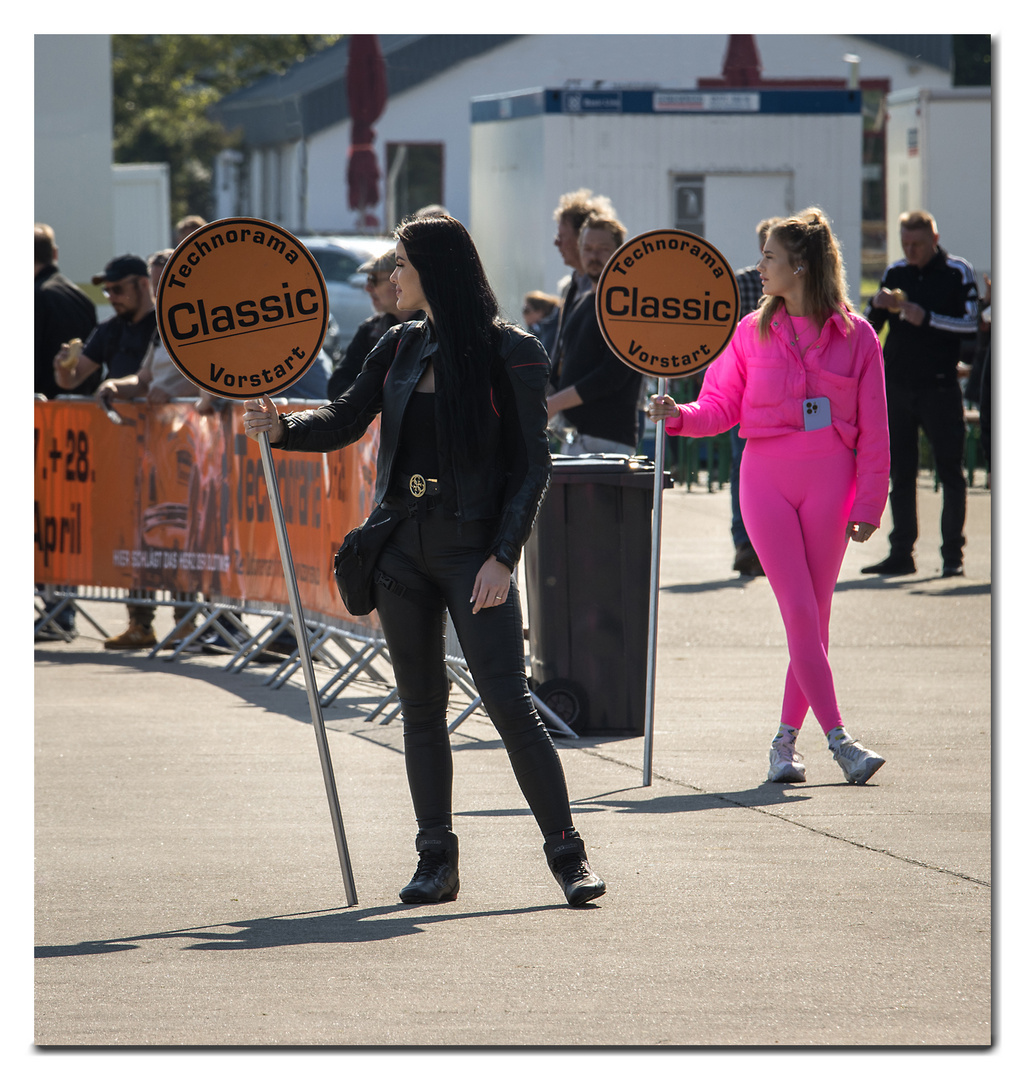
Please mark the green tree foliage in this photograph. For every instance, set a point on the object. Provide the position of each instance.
(165, 83)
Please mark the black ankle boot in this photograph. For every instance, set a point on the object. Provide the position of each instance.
(437, 875)
(567, 860)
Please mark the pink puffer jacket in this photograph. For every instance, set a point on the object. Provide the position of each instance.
(762, 384)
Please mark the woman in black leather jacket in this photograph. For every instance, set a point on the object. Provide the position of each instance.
(464, 453)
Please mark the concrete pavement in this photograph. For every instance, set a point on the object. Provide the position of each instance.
(188, 891)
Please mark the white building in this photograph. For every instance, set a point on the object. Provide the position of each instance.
(73, 150)
(296, 128)
(97, 209)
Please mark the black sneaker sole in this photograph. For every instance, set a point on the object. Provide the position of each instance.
(584, 895)
(427, 899)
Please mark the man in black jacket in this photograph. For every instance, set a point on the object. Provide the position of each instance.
(596, 393)
(929, 300)
(117, 346)
(574, 208)
(63, 311)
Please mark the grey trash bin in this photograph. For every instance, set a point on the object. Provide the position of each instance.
(588, 566)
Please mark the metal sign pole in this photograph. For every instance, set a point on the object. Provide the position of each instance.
(645, 335)
(656, 549)
(299, 622)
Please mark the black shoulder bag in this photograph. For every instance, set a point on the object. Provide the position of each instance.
(356, 559)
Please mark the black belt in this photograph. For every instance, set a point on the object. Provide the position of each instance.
(418, 486)
(417, 494)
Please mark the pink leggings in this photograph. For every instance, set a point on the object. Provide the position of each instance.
(796, 494)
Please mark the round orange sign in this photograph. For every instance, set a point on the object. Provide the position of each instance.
(242, 308)
(667, 303)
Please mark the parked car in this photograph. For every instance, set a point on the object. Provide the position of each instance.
(333, 344)
(339, 259)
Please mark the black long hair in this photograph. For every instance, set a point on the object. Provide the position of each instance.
(465, 316)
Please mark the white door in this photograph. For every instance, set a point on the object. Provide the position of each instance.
(736, 202)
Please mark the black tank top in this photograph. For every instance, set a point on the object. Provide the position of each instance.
(417, 451)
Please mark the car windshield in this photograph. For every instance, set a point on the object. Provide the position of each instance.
(337, 265)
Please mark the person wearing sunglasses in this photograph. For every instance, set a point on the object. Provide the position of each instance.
(117, 346)
(114, 350)
(381, 290)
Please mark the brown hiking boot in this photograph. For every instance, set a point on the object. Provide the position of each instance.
(135, 637)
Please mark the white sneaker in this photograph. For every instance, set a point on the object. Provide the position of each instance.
(785, 763)
(857, 763)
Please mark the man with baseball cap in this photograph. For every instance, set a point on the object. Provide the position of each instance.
(116, 347)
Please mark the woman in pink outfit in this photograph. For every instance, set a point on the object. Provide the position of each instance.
(803, 376)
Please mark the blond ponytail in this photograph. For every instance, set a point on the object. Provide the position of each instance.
(811, 245)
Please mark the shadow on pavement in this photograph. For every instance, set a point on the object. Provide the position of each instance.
(763, 795)
(288, 700)
(692, 587)
(889, 584)
(335, 926)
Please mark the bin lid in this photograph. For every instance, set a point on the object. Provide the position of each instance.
(617, 469)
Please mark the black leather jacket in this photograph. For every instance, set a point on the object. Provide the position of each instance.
(507, 483)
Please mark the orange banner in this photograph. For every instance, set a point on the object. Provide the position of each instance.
(173, 500)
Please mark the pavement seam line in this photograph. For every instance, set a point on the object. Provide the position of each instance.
(591, 752)
(790, 821)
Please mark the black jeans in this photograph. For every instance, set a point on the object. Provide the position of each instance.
(437, 560)
(939, 411)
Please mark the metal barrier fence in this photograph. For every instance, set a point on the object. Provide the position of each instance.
(168, 508)
(242, 646)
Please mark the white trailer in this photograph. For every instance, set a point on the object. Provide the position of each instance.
(939, 158)
(142, 208)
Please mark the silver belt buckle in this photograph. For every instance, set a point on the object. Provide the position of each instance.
(417, 486)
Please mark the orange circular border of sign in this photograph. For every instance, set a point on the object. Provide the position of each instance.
(667, 303)
(242, 308)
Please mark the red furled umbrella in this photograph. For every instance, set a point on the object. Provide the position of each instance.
(367, 85)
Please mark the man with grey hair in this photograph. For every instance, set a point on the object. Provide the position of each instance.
(573, 210)
(594, 391)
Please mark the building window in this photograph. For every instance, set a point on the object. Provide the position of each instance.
(415, 178)
(689, 200)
